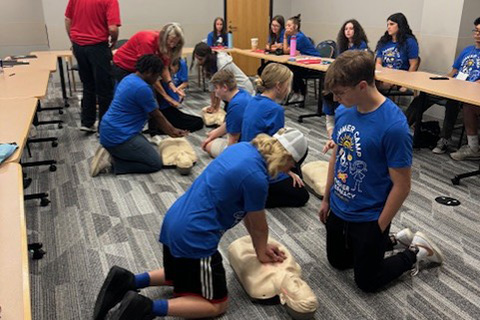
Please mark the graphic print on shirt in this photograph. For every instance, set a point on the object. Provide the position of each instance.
(471, 65)
(350, 168)
(391, 58)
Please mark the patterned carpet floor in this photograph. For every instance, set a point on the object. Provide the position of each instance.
(94, 223)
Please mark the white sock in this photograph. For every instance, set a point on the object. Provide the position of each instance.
(473, 142)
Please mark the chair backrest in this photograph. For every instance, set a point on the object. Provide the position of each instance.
(120, 43)
(327, 49)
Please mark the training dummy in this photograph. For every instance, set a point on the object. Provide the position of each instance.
(266, 281)
(315, 177)
(177, 152)
(214, 118)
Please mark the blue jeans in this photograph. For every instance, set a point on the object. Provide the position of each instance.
(136, 155)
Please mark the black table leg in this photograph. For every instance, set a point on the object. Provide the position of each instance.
(62, 81)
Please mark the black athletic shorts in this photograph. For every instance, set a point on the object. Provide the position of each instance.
(203, 277)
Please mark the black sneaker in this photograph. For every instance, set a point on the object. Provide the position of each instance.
(134, 306)
(118, 282)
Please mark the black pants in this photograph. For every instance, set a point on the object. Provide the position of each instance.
(362, 245)
(119, 73)
(452, 108)
(299, 76)
(95, 70)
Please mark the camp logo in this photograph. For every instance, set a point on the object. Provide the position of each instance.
(471, 65)
(391, 58)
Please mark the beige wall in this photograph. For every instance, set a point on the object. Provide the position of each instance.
(196, 17)
(22, 27)
(471, 11)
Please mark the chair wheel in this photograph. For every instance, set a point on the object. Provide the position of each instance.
(27, 182)
(54, 144)
(60, 126)
(455, 181)
(52, 168)
(38, 254)
(300, 120)
(44, 202)
(60, 111)
(66, 105)
(35, 246)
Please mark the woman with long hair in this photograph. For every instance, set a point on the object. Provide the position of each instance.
(351, 37)
(218, 37)
(276, 32)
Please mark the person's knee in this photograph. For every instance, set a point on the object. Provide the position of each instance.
(366, 283)
(337, 262)
(301, 197)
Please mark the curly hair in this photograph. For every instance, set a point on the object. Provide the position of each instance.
(358, 36)
(149, 63)
(404, 31)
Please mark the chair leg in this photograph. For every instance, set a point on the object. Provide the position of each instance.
(461, 137)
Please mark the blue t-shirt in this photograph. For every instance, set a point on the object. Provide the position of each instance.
(235, 111)
(128, 112)
(468, 62)
(396, 56)
(280, 38)
(178, 78)
(304, 45)
(263, 115)
(232, 185)
(223, 42)
(361, 46)
(368, 144)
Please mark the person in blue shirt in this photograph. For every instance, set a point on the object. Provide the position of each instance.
(218, 37)
(398, 47)
(351, 37)
(263, 114)
(123, 146)
(276, 34)
(226, 89)
(169, 101)
(232, 188)
(305, 46)
(369, 178)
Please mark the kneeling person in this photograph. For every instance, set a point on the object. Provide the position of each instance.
(226, 89)
(121, 127)
(237, 186)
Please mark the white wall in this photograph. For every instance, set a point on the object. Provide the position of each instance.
(22, 27)
(283, 7)
(195, 16)
(471, 11)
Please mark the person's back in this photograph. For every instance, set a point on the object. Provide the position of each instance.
(236, 111)
(262, 115)
(141, 43)
(132, 103)
(231, 185)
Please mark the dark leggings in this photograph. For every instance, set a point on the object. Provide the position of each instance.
(284, 194)
(362, 245)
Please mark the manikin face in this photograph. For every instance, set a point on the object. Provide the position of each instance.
(290, 27)
(275, 27)
(172, 41)
(219, 25)
(392, 28)
(349, 31)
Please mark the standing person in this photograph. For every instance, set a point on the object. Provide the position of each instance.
(226, 89)
(398, 47)
(218, 37)
(167, 44)
(305, 46)
(351, 37)
(121, 129)
(369, 178)
(92, 27)
(212, 62)
(232, 187)
(264, 114)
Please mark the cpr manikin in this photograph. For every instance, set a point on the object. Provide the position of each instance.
(315, 176)
(213, 119)
(177, 152)
(266, 281)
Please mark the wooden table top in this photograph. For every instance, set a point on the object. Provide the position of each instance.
(14, 275)
(45, 61)
(16, 116)
(258, 55)
(24, 82)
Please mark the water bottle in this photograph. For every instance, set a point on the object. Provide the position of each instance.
(293, 46)
(230, 40)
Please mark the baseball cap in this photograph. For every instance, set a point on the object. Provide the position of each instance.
(293, 141)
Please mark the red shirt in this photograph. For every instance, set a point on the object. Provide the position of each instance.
(90, 20)
(141, 43)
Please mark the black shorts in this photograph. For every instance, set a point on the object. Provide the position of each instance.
(203, 277)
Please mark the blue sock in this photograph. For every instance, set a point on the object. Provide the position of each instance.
(160, 308)
(142, 280)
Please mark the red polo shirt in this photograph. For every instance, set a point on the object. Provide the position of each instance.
(141, 43)
(90, 20)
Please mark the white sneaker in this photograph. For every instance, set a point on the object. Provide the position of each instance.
(403, 239)
(296, 97)
(154, 140)
(92, 129)
(101, 162)
(428, 251)
(442, 146)
(465, 153)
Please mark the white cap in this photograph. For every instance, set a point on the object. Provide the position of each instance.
(294, 142)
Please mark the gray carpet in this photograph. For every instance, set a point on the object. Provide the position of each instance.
(94, 223)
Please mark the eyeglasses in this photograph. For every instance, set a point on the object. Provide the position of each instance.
(475, 31)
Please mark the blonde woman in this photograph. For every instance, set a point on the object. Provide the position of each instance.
(264, 114)
(232, 188)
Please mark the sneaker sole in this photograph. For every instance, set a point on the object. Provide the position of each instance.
(464, 158)
(129, 301)
(95, 166)
(439, 151)
(436, 249)
(410, 236)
